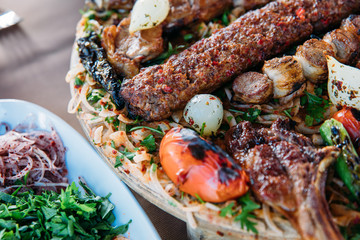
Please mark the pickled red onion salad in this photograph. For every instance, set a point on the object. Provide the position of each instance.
(37, 156)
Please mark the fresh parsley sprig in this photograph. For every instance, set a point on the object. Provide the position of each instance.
(68, 215)
(245, 215)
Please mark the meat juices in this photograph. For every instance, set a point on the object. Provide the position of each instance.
(288, 173)
(209, 63)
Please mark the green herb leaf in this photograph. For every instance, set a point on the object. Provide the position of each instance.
(315, 107)
(149, 143)
(159, 131)
(188, 37)
(118, 161)
(227, 211)
(244, 217)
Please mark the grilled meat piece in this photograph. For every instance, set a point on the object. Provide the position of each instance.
(93, 57)
(287, 173)
(158, 90)
(346, 45)
(311, 55)
(126, 51)
(252, 87)
(352, 24)
(286, 74)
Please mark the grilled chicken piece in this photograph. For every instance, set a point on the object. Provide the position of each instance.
(125, 51)
(252, 87)
(287, 173)
(311, 55)
(286, 74)
(346, 45)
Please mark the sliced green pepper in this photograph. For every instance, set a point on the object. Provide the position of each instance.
(348, 163)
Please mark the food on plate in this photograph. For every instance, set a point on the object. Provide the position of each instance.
(39, 156)
(201, 168)
(36, 200)
(204, 112)
(252, 87)
(288, 173)
(66, 215)
(211, 62)
(348, 163)
(350, 118)
(343, 84)
(270, 120)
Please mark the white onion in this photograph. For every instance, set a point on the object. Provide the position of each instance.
(343, 84)
(148, 14)
(204, 112)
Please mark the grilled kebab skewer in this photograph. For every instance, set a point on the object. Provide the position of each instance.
(158, 90)
(283, 78)
(288, 173)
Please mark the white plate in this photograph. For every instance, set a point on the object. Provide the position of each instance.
(83, 160)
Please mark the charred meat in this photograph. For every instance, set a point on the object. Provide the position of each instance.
(252, 87)
(287, 173)
(93, 57)
(209, 63)
(286, 74)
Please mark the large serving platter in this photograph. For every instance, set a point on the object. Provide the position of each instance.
(201, 224)
(83, 161)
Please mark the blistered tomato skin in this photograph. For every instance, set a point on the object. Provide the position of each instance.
(201, 168)
(350, 118)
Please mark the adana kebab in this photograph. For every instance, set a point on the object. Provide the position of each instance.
(158, 90)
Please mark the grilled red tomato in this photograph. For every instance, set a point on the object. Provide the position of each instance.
(201, 168)
(350, 118)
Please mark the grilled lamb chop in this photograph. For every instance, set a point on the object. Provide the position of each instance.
(209, 63)
(288, 173)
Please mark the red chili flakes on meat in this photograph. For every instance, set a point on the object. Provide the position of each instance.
(260, 42)
(161, 80)
(300, 13)
(325, 21)
(126, 171)
(212, 98)
(167, 89)
(221, 234)
(215, 63)
(160, 71)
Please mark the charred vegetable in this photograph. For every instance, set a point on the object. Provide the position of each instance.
(350, 118)
(93, 57)
(348, 162)
(200, 168)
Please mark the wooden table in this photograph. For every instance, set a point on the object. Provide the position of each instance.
(34, 59)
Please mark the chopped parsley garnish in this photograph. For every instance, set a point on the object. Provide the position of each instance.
(188, 37)
(225, 18)
(114, 121)
(199, 198)
(129, 155)
(227, 211)
(202, 129)
(68, 215)
(244, 216)
(118, 161)
(149, 143)
(94, 96)
(165, 55)
(158, 130)
(78, 82)
(315, 107)
(250, 115)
